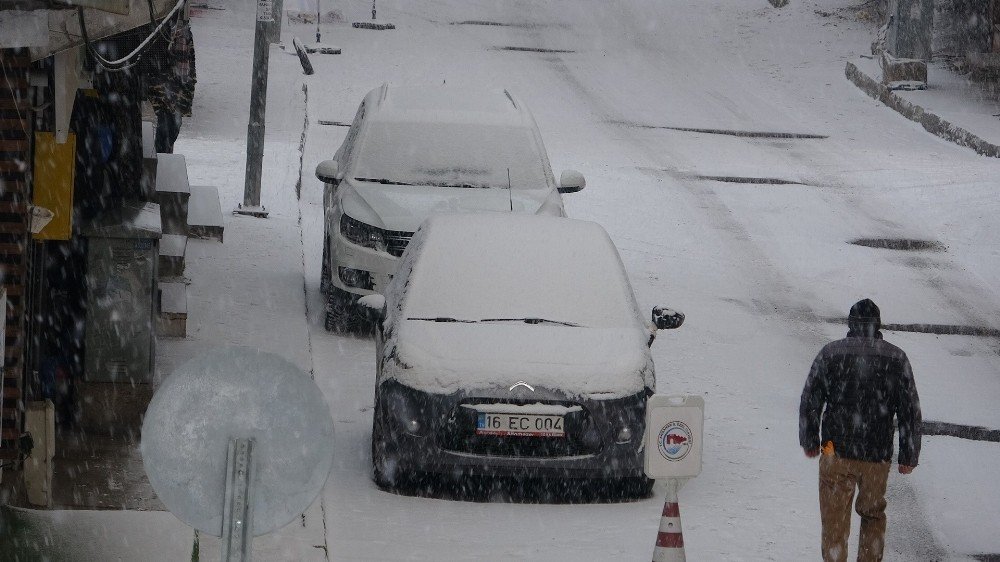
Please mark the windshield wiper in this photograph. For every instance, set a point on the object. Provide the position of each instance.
(531, 321)
(444, 319)
(462, 185)
(383, 181)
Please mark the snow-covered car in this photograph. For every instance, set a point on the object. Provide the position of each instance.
(415, 151)
(512, 344)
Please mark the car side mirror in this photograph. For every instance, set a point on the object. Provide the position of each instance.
(571, 181)
(326, 171)
(667, 319)
(374, 306)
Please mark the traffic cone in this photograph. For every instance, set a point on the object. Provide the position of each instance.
(670, 539)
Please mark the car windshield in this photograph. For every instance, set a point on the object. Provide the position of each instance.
(450, 154)
(563, 273)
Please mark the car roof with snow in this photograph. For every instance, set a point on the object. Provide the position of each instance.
(509, 266)
(450, 136)
(453, 103)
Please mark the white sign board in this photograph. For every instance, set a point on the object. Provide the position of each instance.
(237, 393)
(265, 10)
(674, 436)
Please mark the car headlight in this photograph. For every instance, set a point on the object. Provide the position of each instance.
(362, 234)
(624, 435)
(630, 421)
(405, 411)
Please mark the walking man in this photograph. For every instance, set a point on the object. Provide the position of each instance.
(172, 89)
(856, 386)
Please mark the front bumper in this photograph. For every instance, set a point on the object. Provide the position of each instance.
(447, 443)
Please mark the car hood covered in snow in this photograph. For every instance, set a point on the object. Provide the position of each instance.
(443, 358)
(404, 207)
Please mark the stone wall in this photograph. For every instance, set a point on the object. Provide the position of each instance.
(960, 27)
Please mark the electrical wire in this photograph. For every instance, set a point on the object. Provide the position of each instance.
(131, 59)
(127, 61)
(152, 18)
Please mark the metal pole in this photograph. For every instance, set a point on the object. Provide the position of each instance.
(258, 105)
(237, 512)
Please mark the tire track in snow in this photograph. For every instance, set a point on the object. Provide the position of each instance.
(973, 304)
(781, 295)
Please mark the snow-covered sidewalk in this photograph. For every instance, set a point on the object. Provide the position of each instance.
(248, 291)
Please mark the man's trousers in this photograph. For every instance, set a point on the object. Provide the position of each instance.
(838, 479)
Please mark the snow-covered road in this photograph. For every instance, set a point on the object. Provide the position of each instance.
(759, 269)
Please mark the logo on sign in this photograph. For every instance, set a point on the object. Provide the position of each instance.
(674, 441)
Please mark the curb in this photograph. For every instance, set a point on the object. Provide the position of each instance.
(930, 122)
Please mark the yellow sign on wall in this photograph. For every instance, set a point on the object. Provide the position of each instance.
(55, 167)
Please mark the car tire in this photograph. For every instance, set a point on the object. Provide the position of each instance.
(385, 470)
(342, 313)
(324, 276)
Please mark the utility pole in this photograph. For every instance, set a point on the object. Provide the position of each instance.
(258, 104)
(318, 17)
(274, 31)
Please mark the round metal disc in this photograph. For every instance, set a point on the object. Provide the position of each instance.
(237, 393)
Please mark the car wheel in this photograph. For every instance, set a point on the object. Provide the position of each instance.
(324, 276)
(342, 313)
(385, 468)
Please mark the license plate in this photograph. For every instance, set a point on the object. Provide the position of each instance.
(519, 425)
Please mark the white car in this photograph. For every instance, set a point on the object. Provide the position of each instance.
(512, 345)
(416, 151)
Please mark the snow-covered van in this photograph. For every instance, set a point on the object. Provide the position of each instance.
(512, 344)
(415, 151)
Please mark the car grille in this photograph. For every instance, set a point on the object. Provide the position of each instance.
(458, 434)
(396, 241)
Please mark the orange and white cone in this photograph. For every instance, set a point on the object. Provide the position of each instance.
(670, 539)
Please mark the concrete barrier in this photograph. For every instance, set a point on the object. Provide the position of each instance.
(930, 122)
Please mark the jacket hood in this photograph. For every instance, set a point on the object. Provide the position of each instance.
(864, 320)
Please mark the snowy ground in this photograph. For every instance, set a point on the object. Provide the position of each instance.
(758, 269)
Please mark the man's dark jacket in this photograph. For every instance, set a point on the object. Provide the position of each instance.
(863, 382)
